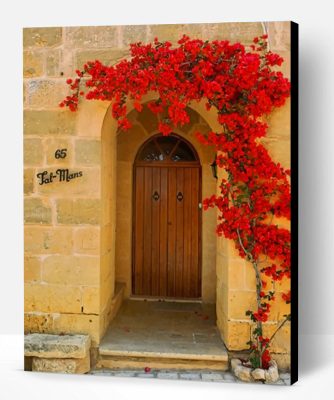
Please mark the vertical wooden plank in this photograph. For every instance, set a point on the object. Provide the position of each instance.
(155, 231)
(195, 281)
(171, 231)
(179, 233)
(163, 232)
(138, 231)
(187, 233)
(147, 232)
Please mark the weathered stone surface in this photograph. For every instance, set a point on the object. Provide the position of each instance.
(88, 152)
(239, 301)
(37, 322)
(64, 365)
(283, 360)
(25, 95)
(42, 37)
(174, 32)
(91, 36)
(56, 346)
(243, 32)
(211, 376)
(43, 93)
(91, 300)
(47, 122)
(29, 176)
(272, 374)
(33, 152)
(55, 323)
(75, 323)
(79, 211)
(47, 240)
(106, 56)
(53, 63)
(243, 373)
(248, 374)
(234, 363)
(33, 64)
(87, 240)
(37, 211)
(132, 34)
(32, 269)
(238, 335)
(71, 270)
(52, 298)
(279, 32)
(258, 374)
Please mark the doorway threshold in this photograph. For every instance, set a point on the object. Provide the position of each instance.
(163, 335)
(165, 299)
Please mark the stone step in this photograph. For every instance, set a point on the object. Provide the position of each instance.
(114, 359)
(56, 346)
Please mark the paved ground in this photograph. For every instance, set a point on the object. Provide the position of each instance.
(177, 328)
(164, 327)
(208, 376)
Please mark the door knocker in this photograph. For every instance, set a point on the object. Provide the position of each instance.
(179, 196)
(155, 196)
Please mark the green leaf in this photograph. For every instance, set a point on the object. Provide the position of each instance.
(255, 361)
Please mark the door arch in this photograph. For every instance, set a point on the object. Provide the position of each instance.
(166, 253)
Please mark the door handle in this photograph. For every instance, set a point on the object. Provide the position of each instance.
(155, 196)
(179, 196)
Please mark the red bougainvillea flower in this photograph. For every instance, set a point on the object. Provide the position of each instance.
(266, 359)
(243, 88)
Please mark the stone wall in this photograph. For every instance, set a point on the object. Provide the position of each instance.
(70, 227)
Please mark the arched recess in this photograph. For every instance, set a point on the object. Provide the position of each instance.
(118, 150)
(128, 143)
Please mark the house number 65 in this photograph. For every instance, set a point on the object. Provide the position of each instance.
(60, 153)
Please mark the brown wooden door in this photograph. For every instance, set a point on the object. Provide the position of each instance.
(166, 235)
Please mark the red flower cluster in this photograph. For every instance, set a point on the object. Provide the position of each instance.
(242, 86)
(266, 359)
(287, 296)
(262, 313)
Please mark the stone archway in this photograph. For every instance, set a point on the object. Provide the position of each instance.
(233, 292)
(116, 168)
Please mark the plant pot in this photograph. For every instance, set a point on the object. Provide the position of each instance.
(246, 373)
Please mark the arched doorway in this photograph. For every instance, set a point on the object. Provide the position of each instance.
(166, 253)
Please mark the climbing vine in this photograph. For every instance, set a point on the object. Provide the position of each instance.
(243, 85)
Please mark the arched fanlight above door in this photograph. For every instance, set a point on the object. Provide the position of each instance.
(167, 149)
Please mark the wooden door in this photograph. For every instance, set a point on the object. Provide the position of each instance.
(166, 223)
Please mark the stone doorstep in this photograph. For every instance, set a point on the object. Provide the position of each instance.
(119, 359)
(126, 362)
(61, 365)
(57, 346)
(104, 351)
